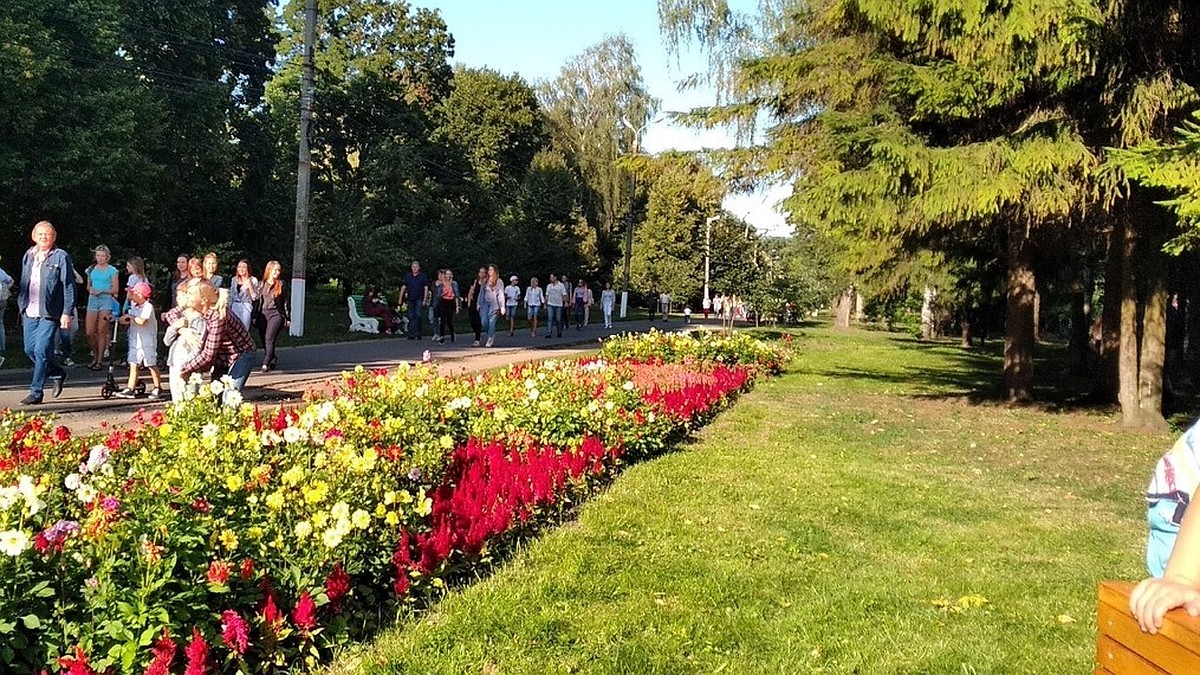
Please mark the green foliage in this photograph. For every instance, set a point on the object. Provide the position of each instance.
(1174, 167)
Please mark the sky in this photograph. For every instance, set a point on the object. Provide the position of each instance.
(535, 38)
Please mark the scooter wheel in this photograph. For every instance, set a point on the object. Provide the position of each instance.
(105, 393)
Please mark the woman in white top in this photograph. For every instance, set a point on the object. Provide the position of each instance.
(512, 297)
(243, 292)
(608, 298)
(533, 303)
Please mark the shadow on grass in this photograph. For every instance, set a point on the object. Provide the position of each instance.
(944, 370)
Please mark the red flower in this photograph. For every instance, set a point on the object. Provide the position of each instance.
(197, 655)
(162, 655)
(270, 611)
(234, 631)
(337, 586)
(75, 664)
(62, 434)
(305, 614)
(202, 506)
(248, 569)
(218, 573)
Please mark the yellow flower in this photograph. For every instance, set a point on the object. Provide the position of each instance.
(380, 510)
(292, 476)
(316, 492)
(303, 529)
(275, 501)
(320, 518)
(392, 518)
(233, 483)
(389, 497)
(361, 519)
(319, 460)
(228, 539)
(165, 430)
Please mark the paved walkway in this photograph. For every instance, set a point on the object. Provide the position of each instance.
(300, 368)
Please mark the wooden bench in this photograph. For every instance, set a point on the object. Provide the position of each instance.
(1123, 648)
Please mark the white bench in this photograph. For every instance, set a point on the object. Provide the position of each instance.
(358, 322)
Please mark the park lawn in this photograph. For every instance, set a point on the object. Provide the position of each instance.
(858, 514)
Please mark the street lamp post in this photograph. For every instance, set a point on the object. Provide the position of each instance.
(708, 254)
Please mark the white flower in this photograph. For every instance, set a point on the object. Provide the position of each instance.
(97, 457)
(71, 482)
(86, 493)
(421, 391)
(216, 387)
(8, 497)
(628, 386)
(209, 430)
(332, 538)
(29, 491)
(609, 405)
(529, 383)
(13, 542)
(460, 403)
(232, 398)
(533, 394)
(293, 435)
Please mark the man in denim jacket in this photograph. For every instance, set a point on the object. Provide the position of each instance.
(46, 301)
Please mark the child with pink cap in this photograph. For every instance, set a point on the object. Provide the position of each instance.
(143, 341)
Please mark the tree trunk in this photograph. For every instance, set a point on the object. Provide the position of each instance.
(964, 326)
(1019, 322)
(1080, 327)
(1037, 315)
(1191, 307)
(1154, 327)
(928, 297)
(859, 314)
(1107, 385)
(1127, 393)
(843, 307)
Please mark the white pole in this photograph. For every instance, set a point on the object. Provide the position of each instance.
(708, 253)
(303, 168)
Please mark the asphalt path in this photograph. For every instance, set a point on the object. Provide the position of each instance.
(302, 368)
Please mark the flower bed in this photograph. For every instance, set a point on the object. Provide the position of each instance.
(217, 539)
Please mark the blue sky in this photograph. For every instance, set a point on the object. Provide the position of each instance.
(534, 38)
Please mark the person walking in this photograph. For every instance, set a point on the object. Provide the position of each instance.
(534, 299)
(416, 288)
(652, 301)
(580, 303)
(664, 303)
(243, 293)
(589, 299)
(46, 299)
(103, 282)
(608, 298)
(473, 304)
(273, 312)
(512, 296)
(185, 333)
(556, 300)
(447, 305)
(6, 284)
(491, 303)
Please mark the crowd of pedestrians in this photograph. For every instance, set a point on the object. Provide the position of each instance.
(489, 303)
(207, 318)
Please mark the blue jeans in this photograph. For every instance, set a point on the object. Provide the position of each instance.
(40, 336)
(489, 320)
(554, 319)
(414, 317)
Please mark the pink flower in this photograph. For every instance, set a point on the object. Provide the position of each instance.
(218, 573)
(305, 613)
(76, 664)
(337, 586)
(234, 631)
(162, 655)
(197, 655)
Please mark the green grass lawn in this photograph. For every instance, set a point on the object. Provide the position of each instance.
(857, 515)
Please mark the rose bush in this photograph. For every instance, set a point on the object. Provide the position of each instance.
(213, 538)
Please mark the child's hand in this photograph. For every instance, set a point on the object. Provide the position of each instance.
(1153, 598)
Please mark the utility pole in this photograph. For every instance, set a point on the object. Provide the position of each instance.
(303, 169)
(708, 253)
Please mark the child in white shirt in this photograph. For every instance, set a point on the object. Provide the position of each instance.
(143, 340)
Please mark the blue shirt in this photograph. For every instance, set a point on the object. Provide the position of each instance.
(415, 285)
